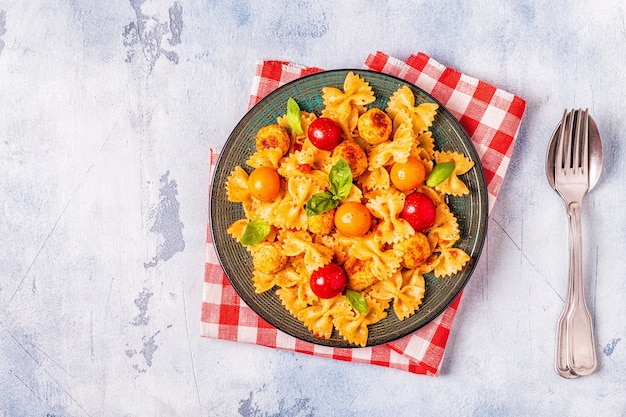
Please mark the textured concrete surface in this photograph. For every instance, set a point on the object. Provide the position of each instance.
(107, 112)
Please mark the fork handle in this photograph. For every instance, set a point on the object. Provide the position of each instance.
(575, 338)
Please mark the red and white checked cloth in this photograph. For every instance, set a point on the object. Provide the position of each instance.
(490, 116)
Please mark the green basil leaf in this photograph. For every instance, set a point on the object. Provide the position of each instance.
(356, 300)
(440, 173)
(320, 203)
(293, 116)
(255, 231)
(340, 178)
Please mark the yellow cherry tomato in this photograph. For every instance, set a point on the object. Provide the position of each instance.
(353, 219)
(408, 175)
(264, 184)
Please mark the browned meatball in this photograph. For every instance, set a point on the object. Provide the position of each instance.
(374, 126)
(359, 274)
(353, 154)
(268, 257)
(415, 249)
(273, 136)
(321, 223)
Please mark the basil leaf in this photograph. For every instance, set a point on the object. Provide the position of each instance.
(440, 173)
(356, 300)
(293, 116)
(320, 203)
(255, 231)
(340, 178)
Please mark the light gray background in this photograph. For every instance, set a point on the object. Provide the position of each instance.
(107, 112)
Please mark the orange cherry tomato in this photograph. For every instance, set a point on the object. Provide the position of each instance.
(353, 219)
(408, 175)
(264, 184)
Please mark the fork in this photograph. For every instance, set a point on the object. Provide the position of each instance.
(575, 346)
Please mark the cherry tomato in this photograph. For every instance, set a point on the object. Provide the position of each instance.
(324, 133)
(264, 184)
(419, 210)
(328, 281)
(408, 175)
(353, 219)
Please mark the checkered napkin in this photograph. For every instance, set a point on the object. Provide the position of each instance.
(490, 116)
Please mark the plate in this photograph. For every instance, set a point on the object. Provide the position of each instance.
(470, 210)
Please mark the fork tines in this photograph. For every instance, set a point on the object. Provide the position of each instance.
(573, 154)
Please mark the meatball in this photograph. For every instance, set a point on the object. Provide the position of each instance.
(273, 136)
(268, 257)
(374, 126)
(415, 249)
(353, 154)
(322, 223)
(359, 274)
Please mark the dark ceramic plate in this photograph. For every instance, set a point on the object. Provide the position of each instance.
(470, 210)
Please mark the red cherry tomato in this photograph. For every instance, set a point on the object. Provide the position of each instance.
(324, 133)
(419, 210)
(328, 281)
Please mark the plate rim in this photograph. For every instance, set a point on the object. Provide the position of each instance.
(482, 189)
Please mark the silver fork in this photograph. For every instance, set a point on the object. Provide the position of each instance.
(575, 346)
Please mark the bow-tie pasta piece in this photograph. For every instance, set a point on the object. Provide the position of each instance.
(340, 245)
(425, 148)
(422, 116)
(392, 228)
(318, 318)
(303, 164)
(356, 91)
(257, 209)
(354, 328)
(384, 261)
(237, 228)
(237, 186)
(451, 261)
(293, 274)
(295, 292)
(345, 106)
(265, 158)
(306, 163)
(377, 179)
(445, 231)
(397, 150)
(411, 294)
(290, 213)
(406, 290)
(315, 255)
(291, 300)
(319, 159)
(262, 281)
(436, 196)
(453, 185)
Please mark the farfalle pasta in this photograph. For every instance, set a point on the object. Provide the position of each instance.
(386, 265)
